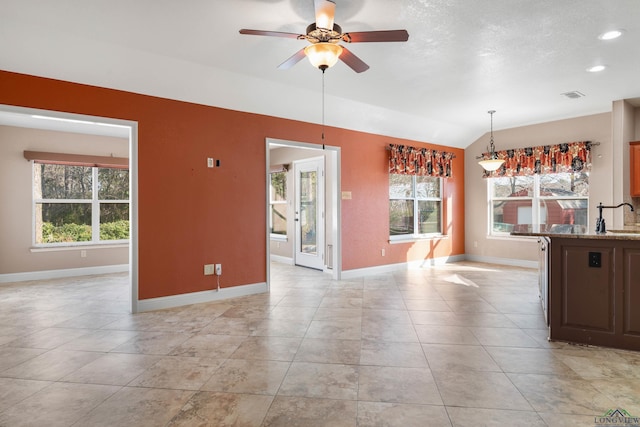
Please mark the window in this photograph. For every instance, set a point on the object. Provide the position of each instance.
(552, 199)
(80, 204)
(415, 206)
(278, 204)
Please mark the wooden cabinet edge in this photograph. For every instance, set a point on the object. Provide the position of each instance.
(634, 168)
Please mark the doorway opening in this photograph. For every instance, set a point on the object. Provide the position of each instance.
(47, 120)
(303, 219)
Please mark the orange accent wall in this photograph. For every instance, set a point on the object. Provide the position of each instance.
(190, 215)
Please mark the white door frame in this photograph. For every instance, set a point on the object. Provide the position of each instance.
(332, 182)
(133, 178)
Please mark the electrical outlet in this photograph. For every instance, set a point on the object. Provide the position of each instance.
(595, 259)
(209, 269)
(382, 252)
(83, 254)
(218, 269)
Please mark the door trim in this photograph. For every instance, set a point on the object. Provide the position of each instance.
(332, 183)
(133, 180)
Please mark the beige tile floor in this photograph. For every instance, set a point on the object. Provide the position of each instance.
(457, 345)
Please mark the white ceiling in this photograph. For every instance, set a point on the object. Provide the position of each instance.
(462, 59)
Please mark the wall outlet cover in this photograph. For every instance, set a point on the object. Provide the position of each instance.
(595, 259)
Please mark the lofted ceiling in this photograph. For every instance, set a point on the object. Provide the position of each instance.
(462, 59)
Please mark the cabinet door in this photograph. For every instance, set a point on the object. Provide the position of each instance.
(631, 284)
(634, 160)
(588, 292)
(583, 295)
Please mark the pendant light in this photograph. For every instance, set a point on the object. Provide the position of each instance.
(493, 163)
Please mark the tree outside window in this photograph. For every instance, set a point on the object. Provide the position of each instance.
(278, 203)
(415, 206)
(75, 204)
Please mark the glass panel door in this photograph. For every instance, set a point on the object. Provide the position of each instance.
(309, 213)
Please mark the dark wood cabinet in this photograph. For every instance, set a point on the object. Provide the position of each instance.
(631, 288)
(595, 292)
(634, 163)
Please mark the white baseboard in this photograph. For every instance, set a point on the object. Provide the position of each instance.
(199, 297)
(57, 274)
(359, 272)
(502, 261)
(281, 259)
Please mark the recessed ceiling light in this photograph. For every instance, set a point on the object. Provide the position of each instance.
(610, 35)
(596, 68)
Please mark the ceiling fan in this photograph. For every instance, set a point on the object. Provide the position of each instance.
(324, 36)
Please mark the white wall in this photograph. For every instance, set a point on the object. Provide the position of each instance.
(16, 252)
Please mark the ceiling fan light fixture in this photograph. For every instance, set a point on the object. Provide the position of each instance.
(323, 55)
(325, 12)
(493, 163)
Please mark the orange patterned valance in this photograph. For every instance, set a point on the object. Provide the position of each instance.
(405, 160)
(544, 159)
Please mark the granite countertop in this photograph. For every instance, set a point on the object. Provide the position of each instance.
(576, 232)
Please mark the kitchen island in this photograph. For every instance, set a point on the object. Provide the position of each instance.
(593, 285)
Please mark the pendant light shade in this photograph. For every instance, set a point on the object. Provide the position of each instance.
(493, 163)
(323, 55)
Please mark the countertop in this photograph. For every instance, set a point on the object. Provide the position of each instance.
(568, 231)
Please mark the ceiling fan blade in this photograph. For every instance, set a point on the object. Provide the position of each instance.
(355, 63)
(293, 60)
(271, 34)
(376, 36)
(325, 13)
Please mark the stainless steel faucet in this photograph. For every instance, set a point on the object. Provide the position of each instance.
(600, 226)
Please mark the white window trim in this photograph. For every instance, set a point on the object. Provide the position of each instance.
(95, 216)
(276, 236)
(417, 238)
(117, 244)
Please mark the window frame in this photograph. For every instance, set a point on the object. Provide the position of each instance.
(277, 236)
(536, 201)
(95, 203)
(399, 238)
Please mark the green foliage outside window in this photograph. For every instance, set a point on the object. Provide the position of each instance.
(67, 233)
